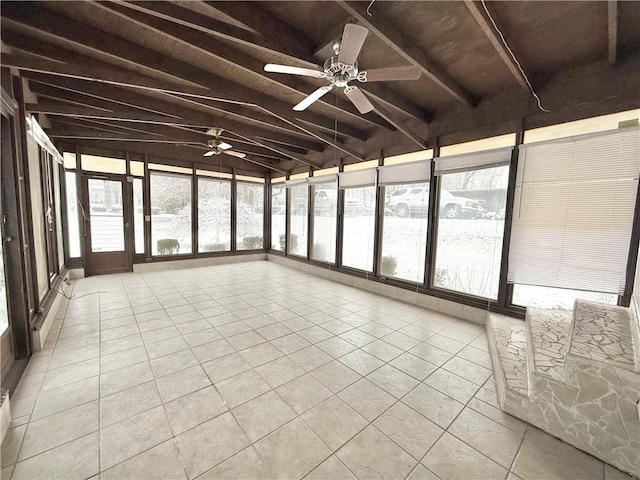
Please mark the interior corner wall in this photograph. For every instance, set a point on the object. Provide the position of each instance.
(37, 216)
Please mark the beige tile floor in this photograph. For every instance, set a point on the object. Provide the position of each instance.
(256, 371)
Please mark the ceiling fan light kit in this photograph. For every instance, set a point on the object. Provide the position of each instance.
(342, 68)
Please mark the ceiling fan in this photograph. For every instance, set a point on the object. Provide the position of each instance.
(343, 68)
(217, 146)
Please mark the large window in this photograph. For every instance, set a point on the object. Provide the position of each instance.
(298, 216)
(171, 222)
(472, 201)
(250, 216)
(214, 215)
(575, 200)
(278, 216)
(325, 216)
(359, 219)
(404, 231)
(359, 228)
(138, 215)
(405, 186)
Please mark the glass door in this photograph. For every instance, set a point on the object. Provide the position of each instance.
(107, 245)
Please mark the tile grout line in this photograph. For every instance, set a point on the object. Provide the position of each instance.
(333, 357)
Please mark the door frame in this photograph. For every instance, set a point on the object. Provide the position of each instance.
(91, 267)
(15, 247)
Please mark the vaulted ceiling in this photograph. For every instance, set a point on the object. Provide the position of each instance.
(152, 77)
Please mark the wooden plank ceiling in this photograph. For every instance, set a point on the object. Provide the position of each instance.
(152, 77)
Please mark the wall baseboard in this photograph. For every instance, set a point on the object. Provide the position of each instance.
(195, 262)
(466, 312)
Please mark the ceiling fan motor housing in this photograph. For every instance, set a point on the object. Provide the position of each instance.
(340, 73)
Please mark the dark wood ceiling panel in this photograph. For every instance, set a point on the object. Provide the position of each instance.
(448, 34)
(554, 36)
(316, 19)
(628, 28)
(128, 75)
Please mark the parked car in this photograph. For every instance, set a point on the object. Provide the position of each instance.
(98, 207)
(325, 204)
(452, 206)
(407, 202)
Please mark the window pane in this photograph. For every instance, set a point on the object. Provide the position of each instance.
(556, 298)
(298, 220)
(359, 228)
(214, 215)
(73, 233)
(106, 221)
(138, 215)
(470, 231)
(278, 216)
(325, 216)
(170, 214)
(250, 216)
(404, 231)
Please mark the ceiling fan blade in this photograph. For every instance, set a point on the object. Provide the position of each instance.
(307, 72)
(210, 153)
(235, 154)
(359, 100)
(312, 98)
(353, 38)
(224, 146)
(390, 74)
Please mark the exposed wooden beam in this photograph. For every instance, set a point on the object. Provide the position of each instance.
(109, 77)
(392, 99)
(210, 26)
(110, 47)
(88, 94)
(415, 138)
(485, 24)
(105, 126)
(230, 55)
(133, 99)
(325, 138)
(56, 108)
(109, 97)
(263, 22)
(612, 22)
(241, 60)
(394, 37)
(278, 149)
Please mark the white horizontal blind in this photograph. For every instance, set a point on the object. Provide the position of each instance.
(413, 172)
(293, 183)
(473, 161)
(359, 178)
(323, 179)
(573, 211)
